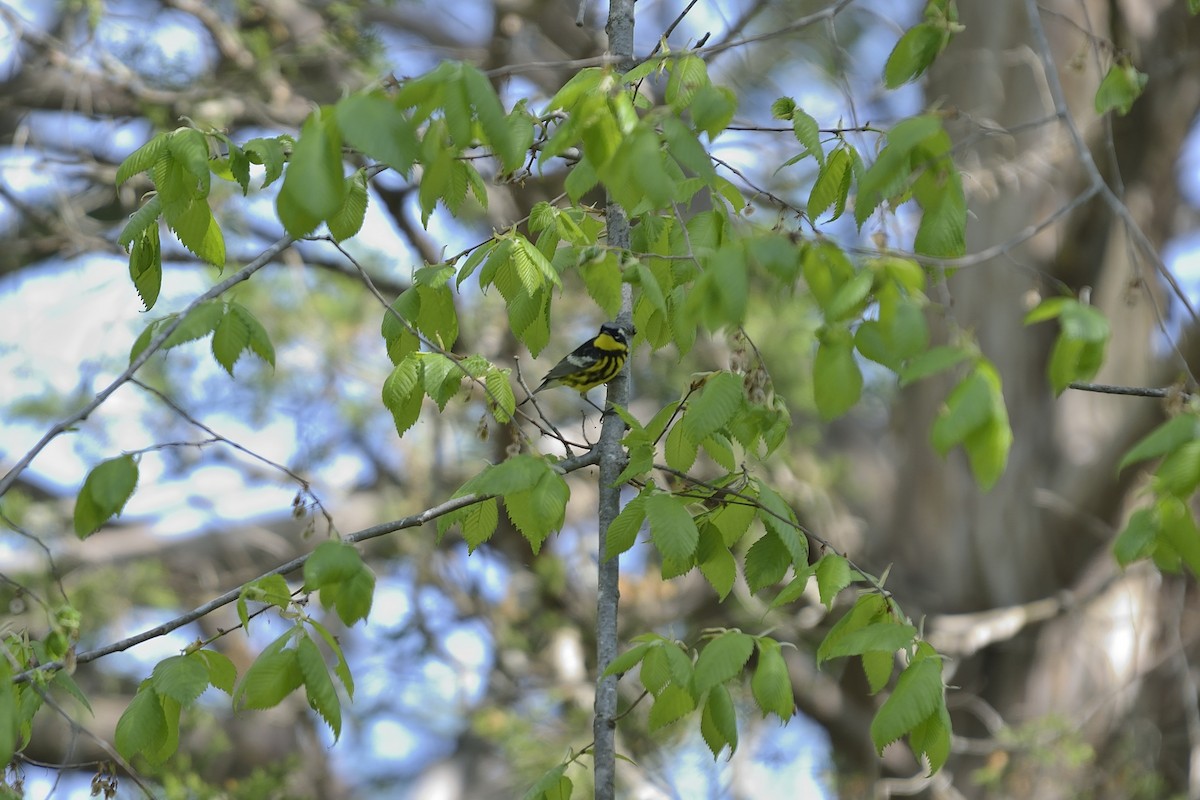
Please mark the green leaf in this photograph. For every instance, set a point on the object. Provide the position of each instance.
(189, 149)
(141, 221)
(623, 530)
(887, 637)
(197, 230)
(932, 738)
(269, 153)
(733, 520)
(968, 409)
(713, 108)
(549, 782)
(1166, 438)
(402, 393)
(718, 400)
(718, 721)
(143, 158)
(833, 574)
(837, 379)
(348, 220)
(778, 517)
(1122, 85)
(808, 133)
(314, 186)
(1136, 541)
(716, 563)
(541, 510)
(10, 722)
(771, 686)
(672, 528)
(479, 522)
(868, 609)
(680, 449)
(142, 725)
(832, 186)
(766, 563)
(318, 686)
(943, 229)
(670, 705)
(918, 695)
(688, 74)
(273, 676)
(182, 678)
(627, 660)
(145, 266)
(1178, 529)
(721, 660)
(373, 125)
(106, 490)
(345, 583)
(913, 54)
(931, 362)
(222, 674)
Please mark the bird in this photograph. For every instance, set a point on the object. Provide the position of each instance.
(594, 362)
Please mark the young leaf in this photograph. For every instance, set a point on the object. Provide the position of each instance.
(106, 490)
(718, 721)
(716, 563)
(672, 528)
(833, 574)
(314, 187)
(402, 393)
(766, 563)
(318, 686)
(273, 676)
(373, 125)
(718, 400)
(670, 705)
(1166, 438)
(348, 220)
(142, 725)
(222, 674)
(145, 265)
(913, 54)
(918, 695)
(721, 660)
(837, 379)
(143, 158)
(771, 686)
(182, 678)
(1122, 85)
(622, 531)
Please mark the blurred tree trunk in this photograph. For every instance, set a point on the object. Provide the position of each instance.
(1047, 525)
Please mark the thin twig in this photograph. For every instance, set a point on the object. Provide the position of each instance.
(264, 258)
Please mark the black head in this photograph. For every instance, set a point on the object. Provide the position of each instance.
(615, 331)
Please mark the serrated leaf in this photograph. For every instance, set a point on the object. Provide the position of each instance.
(721, 660)
(145, 266)
(230, 338)
(968, 409)
(717, 402)
(672, 704)
(143, 158)
(716, 563)
(269, 153)
(141, 221)
(549, 782)
(627, 660)
(182, 678)
(623, 530)
(918, 694)
(931, 362)
(402, 394)
(318, 686)
(222, 674)
(348, 220)
(718, 721)
(766, 562)
(887, 637)
(672, 528)
(833, 574)
(142, 725)
(771, 686)
(932, 738)
(1136, 541)
(197, 230)
(831, 186)
(273, 676)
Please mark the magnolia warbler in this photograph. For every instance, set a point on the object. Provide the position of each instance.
(592, 363)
